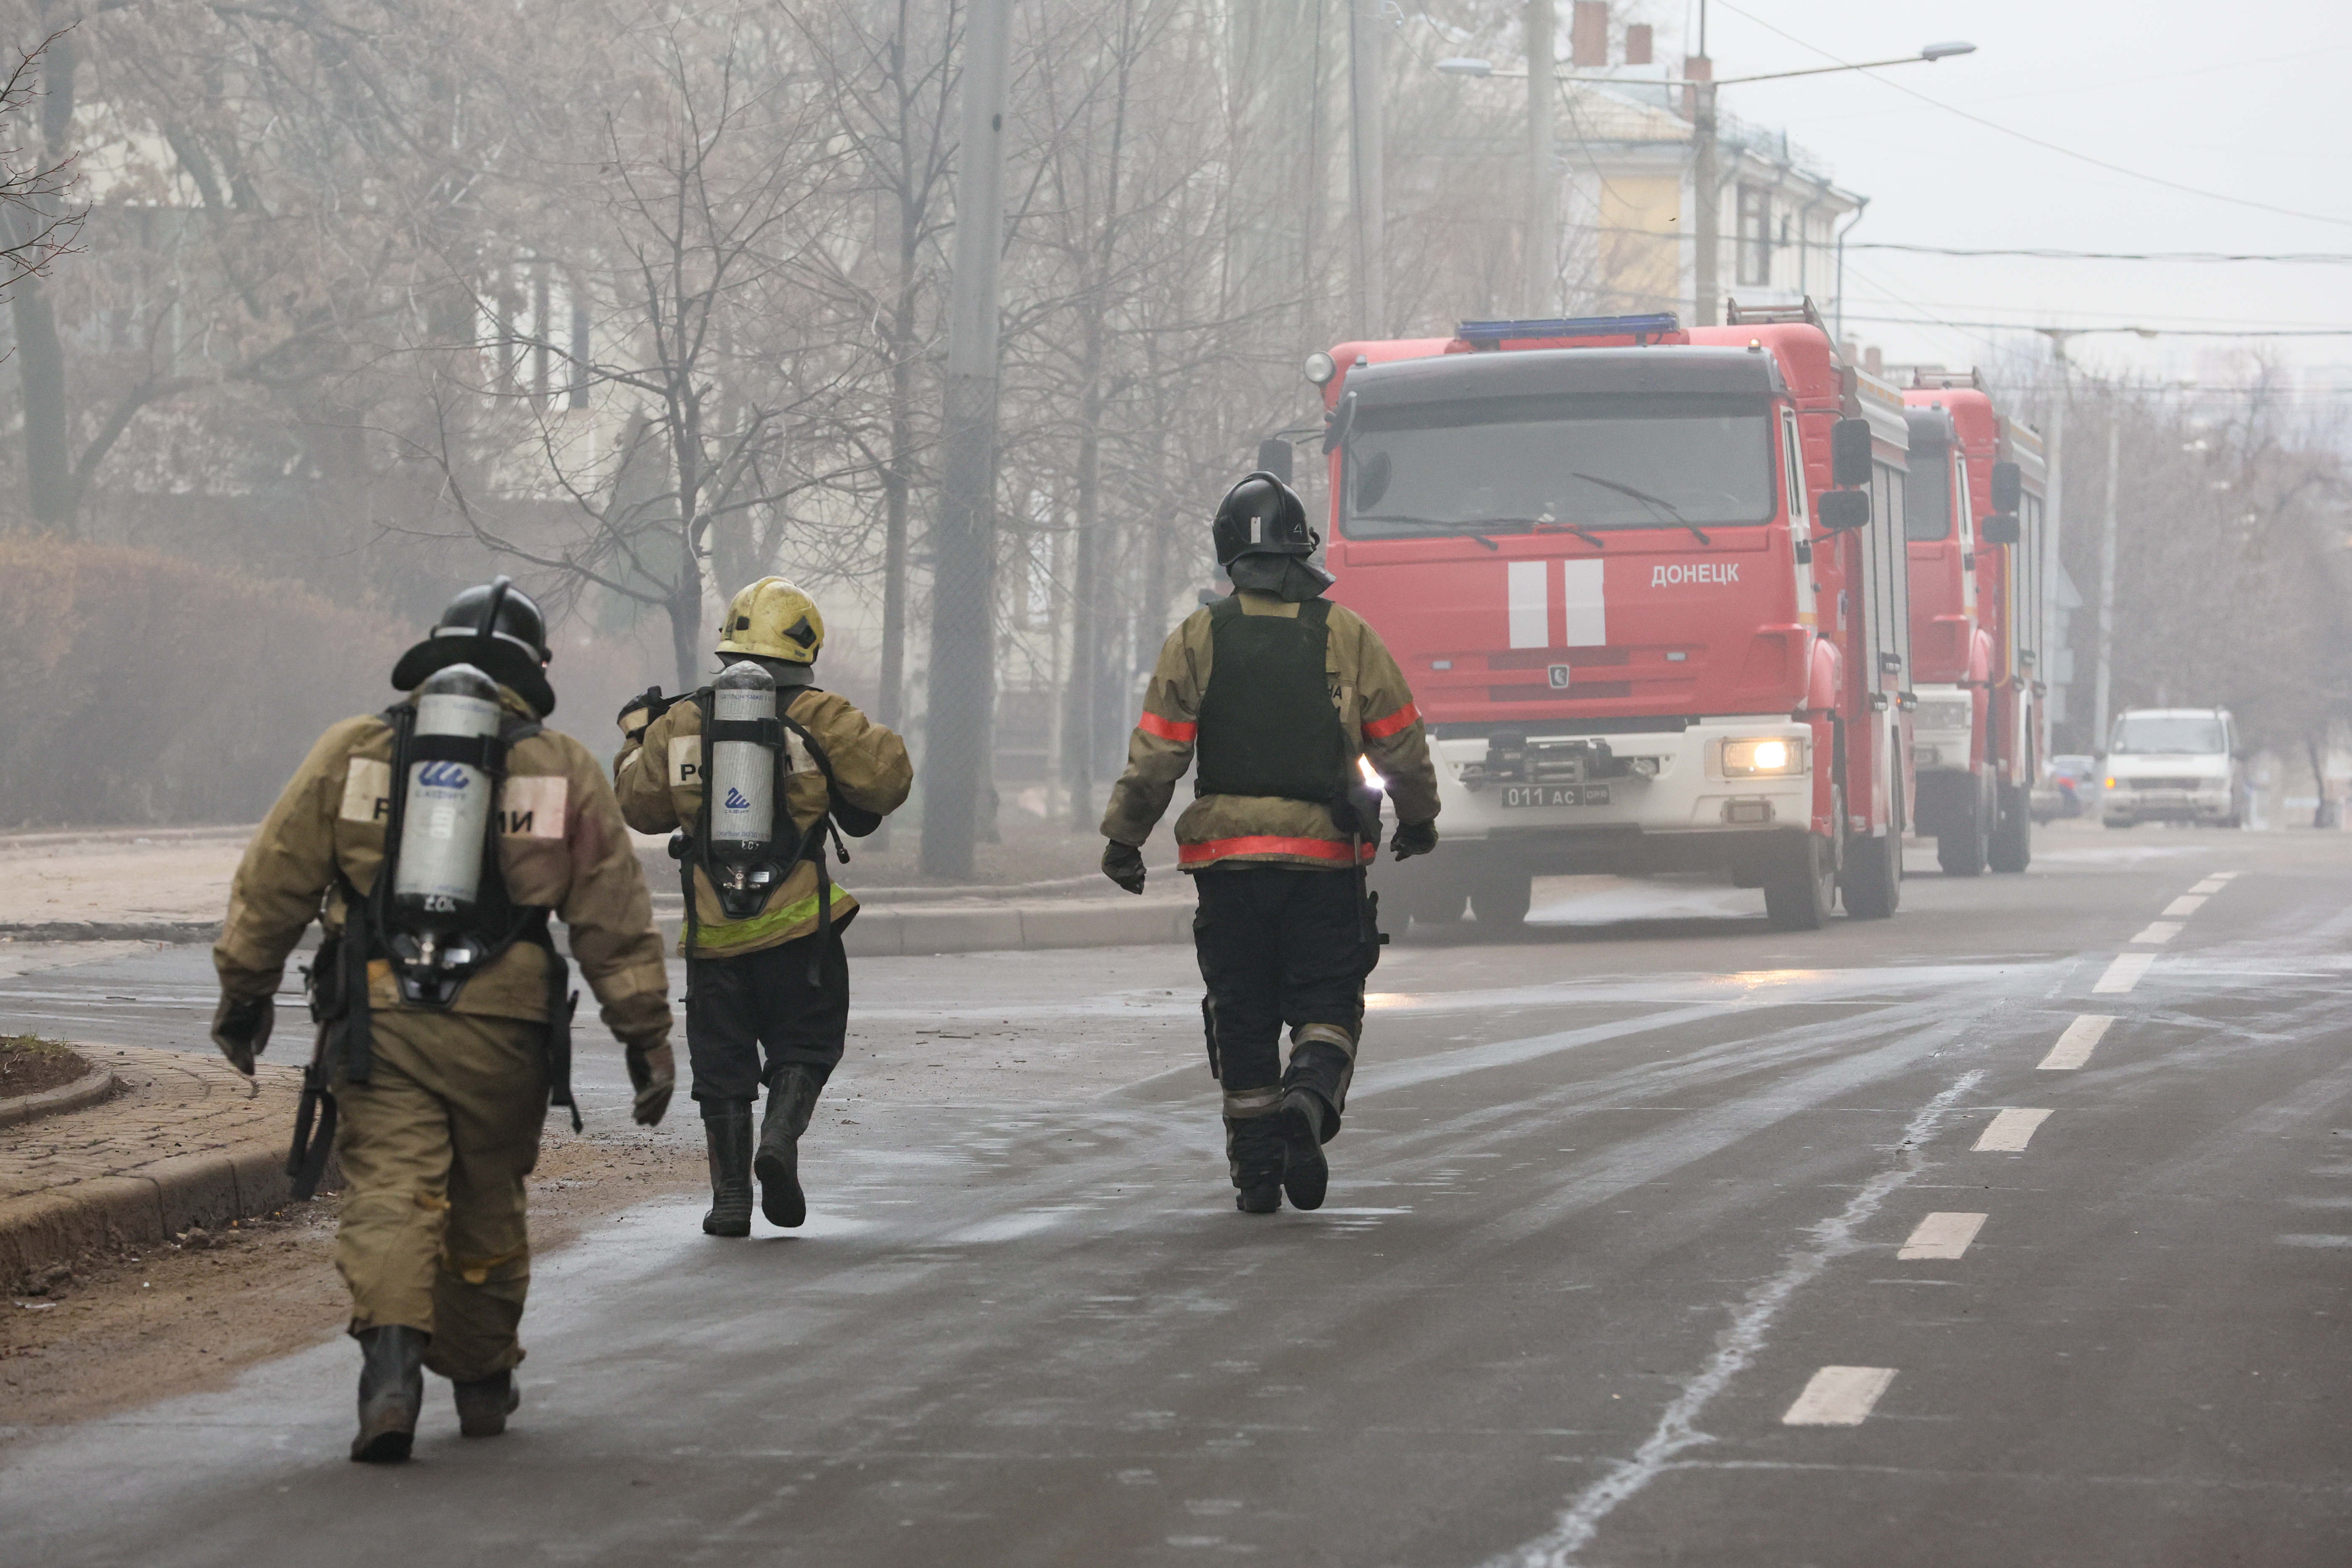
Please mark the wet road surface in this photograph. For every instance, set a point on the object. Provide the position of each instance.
(2012, 1230)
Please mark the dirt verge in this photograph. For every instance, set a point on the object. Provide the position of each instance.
(29, 1065)
(106, 1333)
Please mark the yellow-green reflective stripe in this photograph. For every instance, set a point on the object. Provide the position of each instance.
(731, 933)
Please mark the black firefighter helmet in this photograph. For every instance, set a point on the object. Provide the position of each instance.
(1261, 516)
(496, 628)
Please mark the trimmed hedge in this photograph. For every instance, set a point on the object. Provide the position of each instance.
(139, 688)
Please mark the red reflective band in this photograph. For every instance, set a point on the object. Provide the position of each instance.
(1381, 729)
(1174, 730)
(1268, 844)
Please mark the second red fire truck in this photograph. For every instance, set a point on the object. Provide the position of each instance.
(1972, 516)
(1650, 586)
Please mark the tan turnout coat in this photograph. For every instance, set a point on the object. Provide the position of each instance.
(1375, 708)
(658, 777)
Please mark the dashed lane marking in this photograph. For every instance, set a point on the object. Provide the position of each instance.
(2159, 931)
(2219, 875)
(1839, 1396)
(2314, 1240)
(1943, 1236)
(2187, 903)
(2124, 972)
(2075, 1046)
(2010, 1132)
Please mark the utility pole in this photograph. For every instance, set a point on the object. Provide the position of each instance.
(1543, 182)
(2053, 509)
(2107, 586)
(1366, 35)
(1706, 200)
(962, 692)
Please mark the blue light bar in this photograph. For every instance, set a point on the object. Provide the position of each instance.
(1576, 327)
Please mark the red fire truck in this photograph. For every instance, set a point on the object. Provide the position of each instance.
(1648, 584)
(1972, 514)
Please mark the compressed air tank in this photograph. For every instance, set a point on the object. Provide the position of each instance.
(742, 784)
(445, 814)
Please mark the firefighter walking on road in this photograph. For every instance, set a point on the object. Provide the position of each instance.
(1300, 716)
(433, 842)
(787, 764)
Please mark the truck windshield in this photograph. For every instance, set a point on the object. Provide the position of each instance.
(1927, 503)
(2167, 732)
(1576, 464)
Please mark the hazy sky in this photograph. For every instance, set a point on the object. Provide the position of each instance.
(2247, 100)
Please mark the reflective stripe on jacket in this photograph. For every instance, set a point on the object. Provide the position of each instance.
(1376, 709)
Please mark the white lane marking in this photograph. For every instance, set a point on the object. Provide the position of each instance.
(2075, 1046)
(2208, 887)
(2312, 1240)
(1943, 1236)
(1839, 1396)
(2159, 931)
(1677, 1428)
(2187, 903)
(2009, 1132)
(2220, 876)
(2124, 972)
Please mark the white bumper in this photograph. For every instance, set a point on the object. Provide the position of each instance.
(1689, 792)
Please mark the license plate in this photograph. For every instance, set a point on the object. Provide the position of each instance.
(1555, 795)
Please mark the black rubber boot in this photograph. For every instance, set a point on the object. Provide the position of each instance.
(392, 1391)
(727, 1132)
(484, 1405)
(1305, 1175)
(1254, 1157)
(792, 1101)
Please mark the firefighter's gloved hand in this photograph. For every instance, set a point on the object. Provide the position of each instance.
(653, 1073)
(1412, 838)
(639, 712)
(241, 1028)
(1123, 864)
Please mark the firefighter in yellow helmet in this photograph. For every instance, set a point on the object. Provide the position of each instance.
(432, 842)
(756, 773)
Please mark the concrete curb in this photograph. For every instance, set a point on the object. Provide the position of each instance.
(887, 931)
(143, 1207)
(88, 1089)
(205, 931)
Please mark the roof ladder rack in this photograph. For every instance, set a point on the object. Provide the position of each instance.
(1738, 315)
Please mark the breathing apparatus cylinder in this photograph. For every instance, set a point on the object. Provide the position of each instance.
(446, 811)
(742, 784)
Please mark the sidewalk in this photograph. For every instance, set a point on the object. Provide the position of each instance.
(182, 1144)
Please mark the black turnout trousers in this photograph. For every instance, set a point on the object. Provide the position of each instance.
(1278, 945)
(737, 1005)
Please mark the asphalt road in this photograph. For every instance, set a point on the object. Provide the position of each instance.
(1655, 1237)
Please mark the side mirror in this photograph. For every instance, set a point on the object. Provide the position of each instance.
(1273, 457)
(1849, 452)
(1999, 529)
(1841, 511)
(1338, 423)
(2008, 491)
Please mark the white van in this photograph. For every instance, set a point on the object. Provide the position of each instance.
(2173, 765)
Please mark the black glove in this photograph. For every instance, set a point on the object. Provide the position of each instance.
(1412, 838)
(641, 711)
(653, 1073)
(1123, 864)
(241, 1028)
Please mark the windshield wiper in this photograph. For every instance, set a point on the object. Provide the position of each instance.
(1646, 499)
(1432, 525)
(1578, 529)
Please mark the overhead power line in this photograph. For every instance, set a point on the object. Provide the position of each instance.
(2045, 253)
(2048, 146)
(2152, 331)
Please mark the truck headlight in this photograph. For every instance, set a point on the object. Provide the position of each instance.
(1768, 757)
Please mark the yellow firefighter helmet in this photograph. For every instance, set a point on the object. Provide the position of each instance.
(772, 620)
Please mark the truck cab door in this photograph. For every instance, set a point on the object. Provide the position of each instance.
(1800, 533)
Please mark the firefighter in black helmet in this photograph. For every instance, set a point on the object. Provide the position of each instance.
(1292, 702)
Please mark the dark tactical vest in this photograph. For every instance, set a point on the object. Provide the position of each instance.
(1268, 726)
